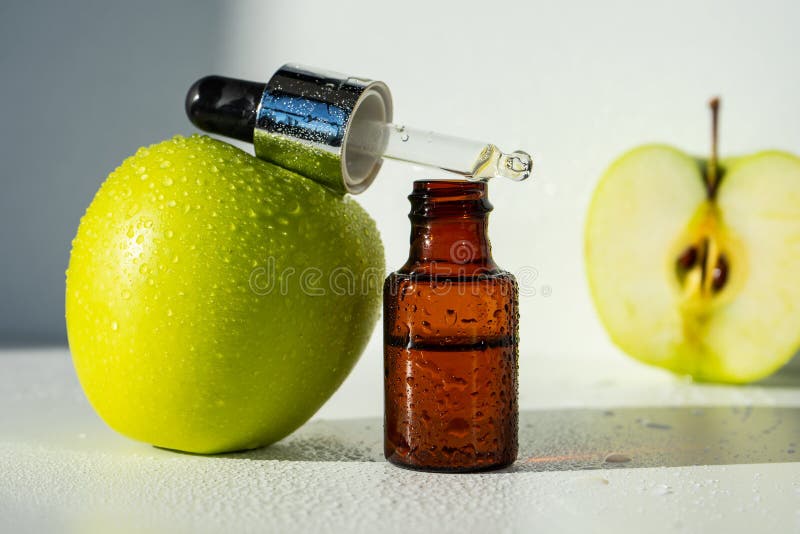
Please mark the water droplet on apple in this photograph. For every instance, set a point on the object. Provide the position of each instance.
(293, 207)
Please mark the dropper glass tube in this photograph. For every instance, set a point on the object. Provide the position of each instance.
(473, 160)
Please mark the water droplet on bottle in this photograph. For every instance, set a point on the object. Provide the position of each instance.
(114, 326)
(657, 426)
(404, 137)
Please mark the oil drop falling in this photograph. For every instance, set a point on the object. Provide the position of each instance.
(493, 163)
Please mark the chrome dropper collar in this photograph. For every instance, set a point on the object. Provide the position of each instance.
(305, 119)
(302, 119)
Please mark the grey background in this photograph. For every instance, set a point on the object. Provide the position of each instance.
(82, 85)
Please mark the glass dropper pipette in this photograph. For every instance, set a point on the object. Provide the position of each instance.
(473, 160)
(336, 129)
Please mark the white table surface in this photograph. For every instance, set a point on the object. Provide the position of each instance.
(702, 459)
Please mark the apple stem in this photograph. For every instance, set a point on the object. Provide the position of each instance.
(712, 173)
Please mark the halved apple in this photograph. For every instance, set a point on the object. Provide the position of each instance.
(694, 265)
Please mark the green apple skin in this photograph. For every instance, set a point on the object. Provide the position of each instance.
(650, 205)
(215, 301)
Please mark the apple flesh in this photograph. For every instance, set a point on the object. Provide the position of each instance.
(698, 280)
(215, 301)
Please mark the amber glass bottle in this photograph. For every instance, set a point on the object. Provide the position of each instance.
(450, 339)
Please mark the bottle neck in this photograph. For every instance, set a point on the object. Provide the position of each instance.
(449, 223)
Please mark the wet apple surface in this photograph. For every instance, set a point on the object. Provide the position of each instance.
(215, 301)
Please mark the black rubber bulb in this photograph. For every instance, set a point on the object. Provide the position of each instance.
(224, 106)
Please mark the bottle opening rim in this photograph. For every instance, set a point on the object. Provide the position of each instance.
(436, 198)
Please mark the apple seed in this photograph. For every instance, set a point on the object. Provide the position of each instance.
(688, 258)
(720, 274)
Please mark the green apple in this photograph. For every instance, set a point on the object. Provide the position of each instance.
(693, 263)
(215, 301)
